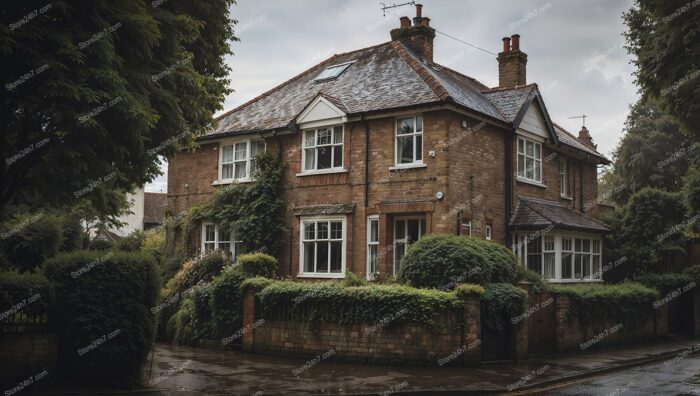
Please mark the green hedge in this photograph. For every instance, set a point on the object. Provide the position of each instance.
(24, 294)
(664, 282)
(501, 302)
(693, 272)
(331, 302)
(443, 261)
(629, 303)
(193, 272)
(103, 315)
(257, 264)
(226, 303)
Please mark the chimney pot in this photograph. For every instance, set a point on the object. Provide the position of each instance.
(425, 22)
(506, 44)
(516, 42)
(419, 10)
(417, 37)
(405, 22)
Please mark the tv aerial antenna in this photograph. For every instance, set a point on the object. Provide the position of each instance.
(582, 117)
(386, 7)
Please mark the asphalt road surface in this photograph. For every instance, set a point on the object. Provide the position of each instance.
(677, 376)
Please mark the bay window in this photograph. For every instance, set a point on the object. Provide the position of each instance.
(323, 247)
(323, 149)
(237, 160)
(409, 141)
(560, 257)
(529, 160)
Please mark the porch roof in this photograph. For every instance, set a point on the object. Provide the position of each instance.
(533, 213)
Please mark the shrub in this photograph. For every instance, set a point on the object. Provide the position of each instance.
(693, 272)
(226, 302)
(26, 293)
(539, 283)
(101, 244)
(503, 263)
(103, 316)
(351, 279)
(154, 243)
(73, 233)
(201, 318)
(131, 242)
(330, 302)
(257, 264)
(627, 302)
(443, 261)
(183, 326)
(170, 266)
(469, 290)
(501, 303)
(31, 239)
(257, 283)
(193, 272)
(664, 282)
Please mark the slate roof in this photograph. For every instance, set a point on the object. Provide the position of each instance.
(382, 77)
(154, 207)
(536, 213)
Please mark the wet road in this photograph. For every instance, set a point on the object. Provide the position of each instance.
(671, 377)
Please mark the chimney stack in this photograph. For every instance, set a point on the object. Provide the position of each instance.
(585, 137)
(419, 37)
(511, 63)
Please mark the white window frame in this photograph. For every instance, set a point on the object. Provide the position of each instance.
(316, 146)
(488, 231)
(248, 160)
(520, 249)
(234, 244)
(563, 175)
(405, 240)
(415, 134)
(370, 243)
(522, 173)
(316, 219)
(467, 225)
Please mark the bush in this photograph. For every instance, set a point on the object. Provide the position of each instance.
(31, 239)
(539, 283)
(664, 282)
(193, 272)
(443, 261)
(330, 302)
(693, 272)
(170, 266)
(501, 302)
(103, 316)
(469, 290)
(24, 293)
(628, 302)
(503, 263)
(101, 245)
(154, 244)
(131, 242)
(182, 324)
(257, 283)
(226, 303)
(351, 279)
(257, 264)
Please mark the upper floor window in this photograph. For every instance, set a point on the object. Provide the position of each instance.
(529, 160)
(409, 141)
(562, 178)
(236, 160)
(323, 148)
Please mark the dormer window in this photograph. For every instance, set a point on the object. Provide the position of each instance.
(332, 72)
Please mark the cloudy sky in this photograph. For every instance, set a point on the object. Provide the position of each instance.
(575, 49)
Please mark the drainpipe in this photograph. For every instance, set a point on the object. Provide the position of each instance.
(366, 124)
(509, 185)
(580, 185)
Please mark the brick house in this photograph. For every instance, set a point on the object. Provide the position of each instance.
(382, 146)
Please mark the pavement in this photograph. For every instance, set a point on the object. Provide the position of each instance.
(179, 370)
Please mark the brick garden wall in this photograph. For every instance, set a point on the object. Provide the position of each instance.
(24, 355)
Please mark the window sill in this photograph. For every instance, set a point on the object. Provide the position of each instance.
(322, 172)
(566, 197)
(230, 181)
(531, 182)
(323, 276)
(408, 166)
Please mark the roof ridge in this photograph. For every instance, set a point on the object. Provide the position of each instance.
(501, 89)
(294, 78)
(417, 66)
(577, 139)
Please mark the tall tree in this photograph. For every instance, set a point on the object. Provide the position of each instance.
(93, 94)
(664, 38)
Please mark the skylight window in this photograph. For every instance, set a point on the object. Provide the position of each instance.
(332, 72)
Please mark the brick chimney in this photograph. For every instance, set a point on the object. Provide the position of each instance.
(585, 137)
(419, 37)
(511, 63)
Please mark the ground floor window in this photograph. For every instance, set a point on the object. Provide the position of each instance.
(215, 237)
(560, 256)
(323, 247)
(372, 246)
(406, 231)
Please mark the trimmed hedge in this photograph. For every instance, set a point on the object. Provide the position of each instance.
(500, 303)
(469, 290)
(257, 264)
(24, 294)
(226, 302)
(443, 261)
(331, 302)
(103, 315)
(664, 282)
(628, 302)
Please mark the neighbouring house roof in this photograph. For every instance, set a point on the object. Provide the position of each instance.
(320, 210)
(533, 213)
(107, 235)
(570, 140)
(154, 207)
(380, 78)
